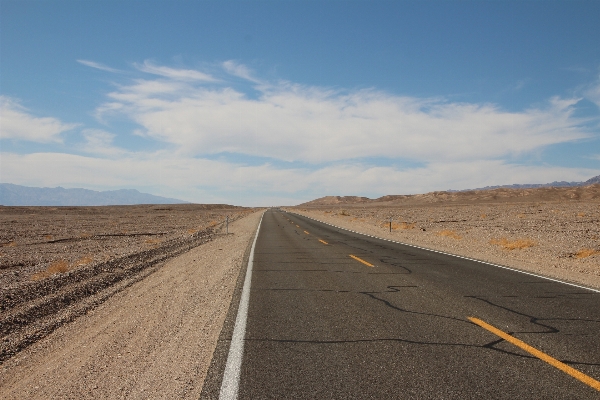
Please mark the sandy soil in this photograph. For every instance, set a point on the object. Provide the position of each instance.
(48, 280)
(34, 240)
(153, 339)
(555, 239)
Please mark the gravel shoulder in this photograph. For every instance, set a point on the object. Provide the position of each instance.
(153, 339)
(555, 239)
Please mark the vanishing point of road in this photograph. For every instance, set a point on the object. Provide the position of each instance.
(336, 314)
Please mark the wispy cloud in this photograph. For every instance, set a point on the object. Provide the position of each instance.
(19, 124)
(99, 66)
(240, 70)
(99, 142)
(173, 73)
(593, 92)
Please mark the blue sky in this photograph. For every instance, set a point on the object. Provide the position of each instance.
(279, 102)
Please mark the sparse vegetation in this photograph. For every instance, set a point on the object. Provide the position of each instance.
(83, 261)
(396, 226)
(344, 213)
(513, 245)
(449, 233)
(57, 267)
(583, 253)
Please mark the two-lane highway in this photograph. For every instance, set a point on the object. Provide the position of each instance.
(334, 314)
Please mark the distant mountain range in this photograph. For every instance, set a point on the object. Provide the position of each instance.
(16, 195)
(590, 181)
(555, 191)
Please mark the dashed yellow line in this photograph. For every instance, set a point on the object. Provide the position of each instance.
(297, 226)
(542, 356)
(307, 233)
(368, 264)
(322, 241)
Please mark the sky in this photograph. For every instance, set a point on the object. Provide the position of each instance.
(263, 103)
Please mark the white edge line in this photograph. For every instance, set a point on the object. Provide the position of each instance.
(455, 255)
(233, 367)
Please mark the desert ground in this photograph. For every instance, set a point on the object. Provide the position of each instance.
(553, 232)
(150, 335)
(58, 262)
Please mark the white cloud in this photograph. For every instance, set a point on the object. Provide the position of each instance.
(172, 73)
(96, 65)
(100, 142)
(239, 70)
(312, 124)
(593, 94)
(17, 123)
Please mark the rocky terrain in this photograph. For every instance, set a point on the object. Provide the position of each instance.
(554, 232)
(589, 192)
(152, 339)
(58, 262)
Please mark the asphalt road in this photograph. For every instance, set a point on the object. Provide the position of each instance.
(323, 324)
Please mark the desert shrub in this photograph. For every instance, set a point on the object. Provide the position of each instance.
(583, 253)
(345, 213)
(57, 267)
(512, 245)
(449, 233)
(83, 261)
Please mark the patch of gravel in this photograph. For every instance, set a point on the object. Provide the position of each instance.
(152, 338)
(34, 239)
(34, 304)
(557, 231)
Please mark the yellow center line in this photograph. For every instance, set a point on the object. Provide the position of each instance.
(307, 233)
(542, 356)
(322, 241)
(362, 261)
(298, 226)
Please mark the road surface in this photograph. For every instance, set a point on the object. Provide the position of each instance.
(335, 314)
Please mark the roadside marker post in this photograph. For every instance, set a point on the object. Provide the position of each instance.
(227, 225)
(390, 224)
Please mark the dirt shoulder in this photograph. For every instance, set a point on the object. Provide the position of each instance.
(153, 339)
(556, 239)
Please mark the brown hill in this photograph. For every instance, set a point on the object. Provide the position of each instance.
(590, 192)
(332, 200)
